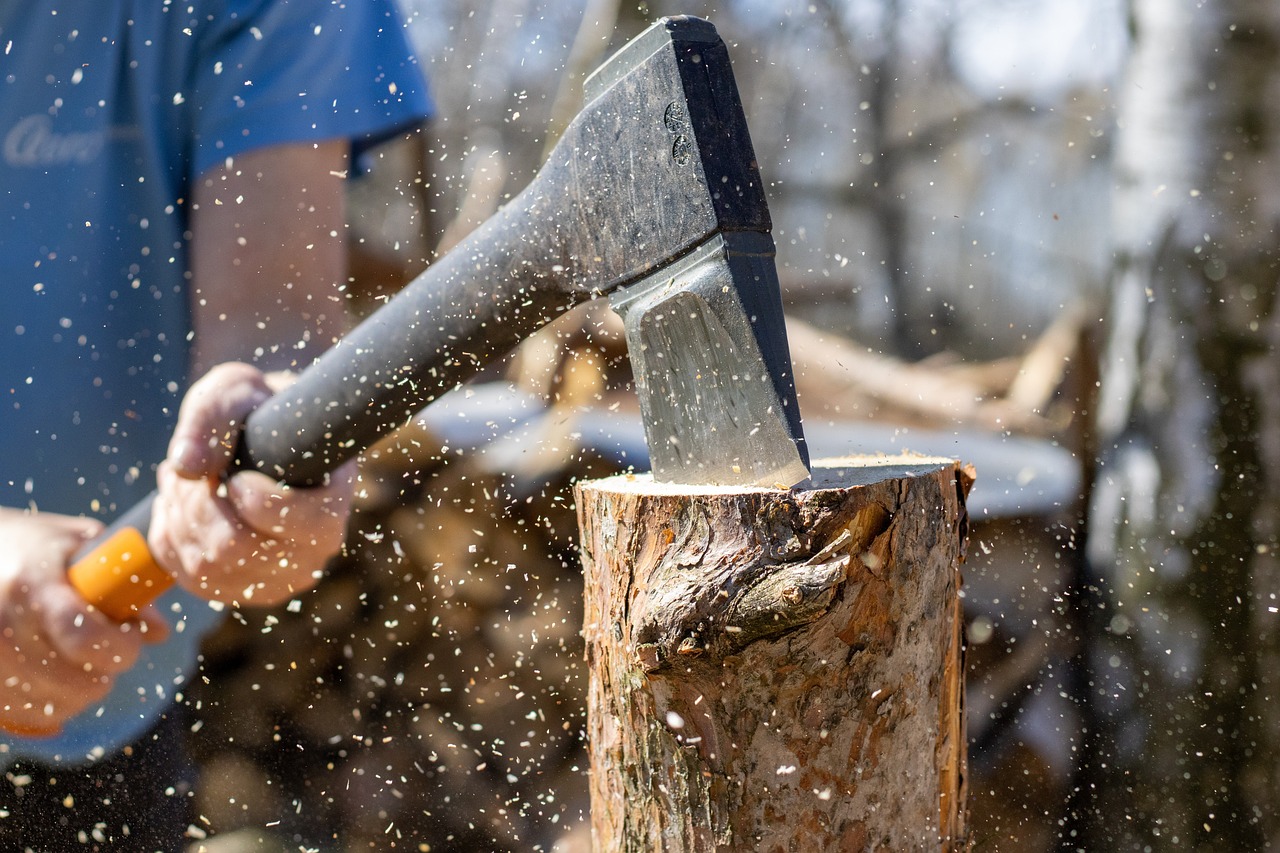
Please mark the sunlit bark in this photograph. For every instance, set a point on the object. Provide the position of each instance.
(777, 670)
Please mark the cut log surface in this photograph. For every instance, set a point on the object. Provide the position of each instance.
(778, 670)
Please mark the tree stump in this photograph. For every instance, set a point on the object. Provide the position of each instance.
(778, 670)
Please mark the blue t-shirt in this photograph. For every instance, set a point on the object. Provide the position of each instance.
(109, 110)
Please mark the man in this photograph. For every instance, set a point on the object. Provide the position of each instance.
(171, 207)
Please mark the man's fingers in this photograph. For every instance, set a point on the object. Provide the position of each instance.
(66, 660)
(305, 515)
(261, 502)
(58, 655)
(210, 418)
(188, 526)
(79, 528)
(82, 639)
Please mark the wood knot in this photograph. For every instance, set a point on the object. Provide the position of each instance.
(788, 597)
(690, 647)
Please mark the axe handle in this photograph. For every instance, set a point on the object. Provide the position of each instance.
(468, 308)
(116, 572)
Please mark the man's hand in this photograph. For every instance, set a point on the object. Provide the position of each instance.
(58, 656)
(245, 539)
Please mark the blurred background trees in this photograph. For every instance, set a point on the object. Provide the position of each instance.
(1183, 521)
(1038, 235)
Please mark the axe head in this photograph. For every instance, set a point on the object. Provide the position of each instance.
(705, 328)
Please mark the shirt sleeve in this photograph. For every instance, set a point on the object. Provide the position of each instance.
(268, 72)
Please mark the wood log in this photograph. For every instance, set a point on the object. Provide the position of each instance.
(837, 379)
(778, 670)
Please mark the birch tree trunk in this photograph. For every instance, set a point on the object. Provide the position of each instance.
(777, 670)
(1183, 523)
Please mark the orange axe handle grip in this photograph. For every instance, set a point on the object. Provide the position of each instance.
(117, 574)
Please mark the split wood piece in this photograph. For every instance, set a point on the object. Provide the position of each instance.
(838, 379)
(778, 670)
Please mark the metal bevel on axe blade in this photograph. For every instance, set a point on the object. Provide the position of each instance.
(708, 350)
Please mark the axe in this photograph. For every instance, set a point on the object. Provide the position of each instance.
(652, 197)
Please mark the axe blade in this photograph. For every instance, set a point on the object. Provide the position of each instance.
(708, 348)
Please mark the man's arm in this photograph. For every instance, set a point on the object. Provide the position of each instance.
(268, 246)
(269, 257)
(268, 264)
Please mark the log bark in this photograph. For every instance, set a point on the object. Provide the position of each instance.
(778, 670)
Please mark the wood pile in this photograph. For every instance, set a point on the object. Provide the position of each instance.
(837, 380)
(430, 693)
